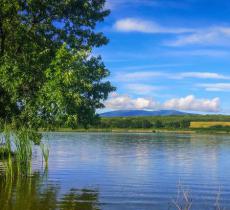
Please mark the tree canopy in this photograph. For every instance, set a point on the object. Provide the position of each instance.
(48, 75)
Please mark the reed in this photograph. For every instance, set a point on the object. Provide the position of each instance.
(45, 154)
(184, 200)
(23, 151)
(17, 148)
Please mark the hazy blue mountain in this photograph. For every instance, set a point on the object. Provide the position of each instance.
(133, 113)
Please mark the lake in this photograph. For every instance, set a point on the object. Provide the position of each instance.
(119, 171)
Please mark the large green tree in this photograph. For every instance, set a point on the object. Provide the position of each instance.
(48, 75)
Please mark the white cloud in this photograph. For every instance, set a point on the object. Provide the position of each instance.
(218, 35)
(188, 103)
(148, 75)
(218, 87)
(207, 36)
(201, 75)
(145, 26)
(191, 103)
(117, 101)
(131, 24)
(199, 53)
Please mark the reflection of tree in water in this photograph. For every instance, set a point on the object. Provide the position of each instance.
(80, 200)
(35, 194)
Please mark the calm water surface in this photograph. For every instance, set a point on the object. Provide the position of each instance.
(108, 171)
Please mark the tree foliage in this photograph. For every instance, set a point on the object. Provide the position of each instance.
(48, 76)
(154, 122)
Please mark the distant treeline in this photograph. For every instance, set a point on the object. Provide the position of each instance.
(158, 122)
(142, 123)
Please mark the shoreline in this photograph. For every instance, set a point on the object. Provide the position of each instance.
(94, 130)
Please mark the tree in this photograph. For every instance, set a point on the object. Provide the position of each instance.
(185, 124)
(48, 75)
(158, 124)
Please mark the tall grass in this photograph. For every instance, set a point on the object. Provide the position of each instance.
(45, 154)
(7, 152)
(23, 151)
(17, 148)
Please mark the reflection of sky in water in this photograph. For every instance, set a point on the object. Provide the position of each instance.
(139, 171)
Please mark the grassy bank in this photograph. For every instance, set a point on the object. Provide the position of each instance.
(123, 130)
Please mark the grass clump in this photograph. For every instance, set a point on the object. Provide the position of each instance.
(45, 154)
(23, 148)
(16, 148)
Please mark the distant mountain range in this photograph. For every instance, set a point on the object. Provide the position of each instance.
(138, 113)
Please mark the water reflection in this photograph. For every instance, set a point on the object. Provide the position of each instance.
(131, 171)
(36, 193)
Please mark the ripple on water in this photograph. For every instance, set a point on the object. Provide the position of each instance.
(132, 171)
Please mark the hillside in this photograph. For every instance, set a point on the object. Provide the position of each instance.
(142, 113)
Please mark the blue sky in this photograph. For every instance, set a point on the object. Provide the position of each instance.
(168, 54)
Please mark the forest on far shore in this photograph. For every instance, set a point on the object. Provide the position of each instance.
(195, 122)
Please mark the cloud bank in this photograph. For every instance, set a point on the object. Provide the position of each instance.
(117, 101)
(188, 103)
(191, 103)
